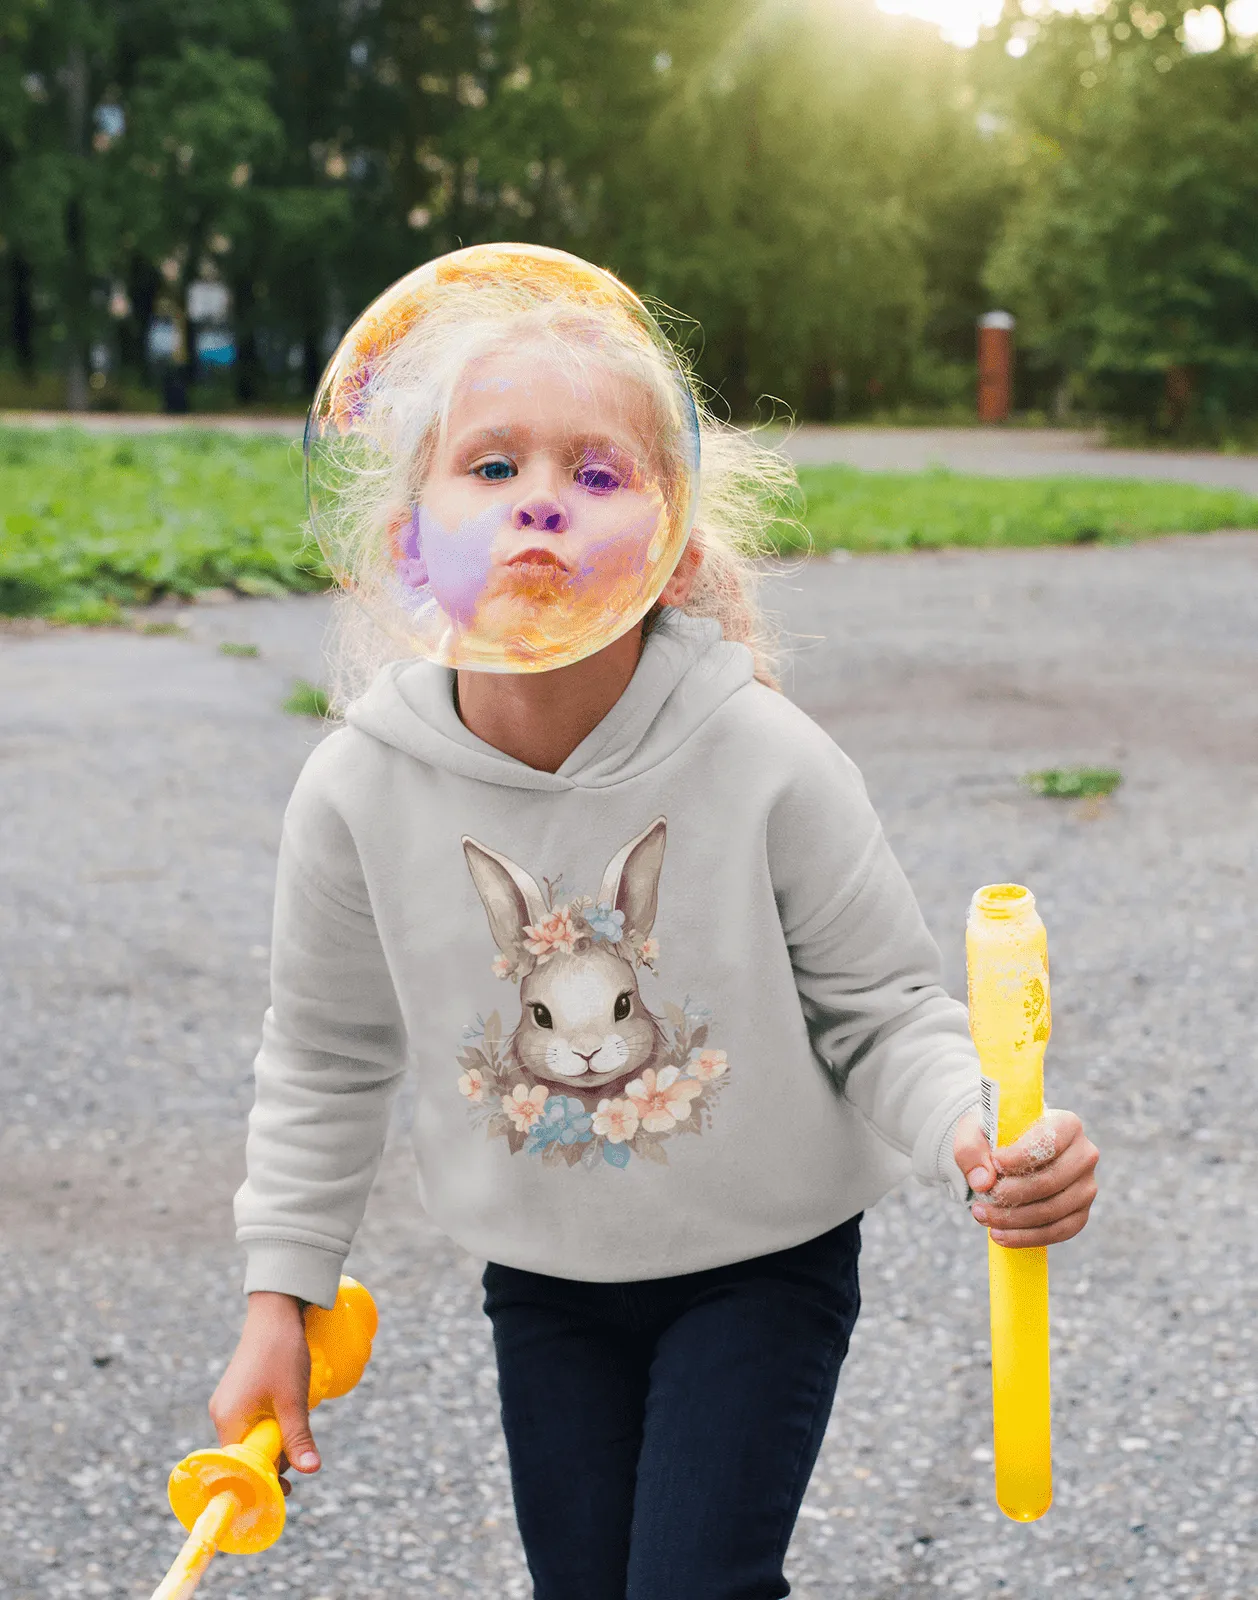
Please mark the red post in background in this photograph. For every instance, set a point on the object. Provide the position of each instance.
(995, 366)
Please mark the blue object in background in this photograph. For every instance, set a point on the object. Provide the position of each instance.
(215, 347)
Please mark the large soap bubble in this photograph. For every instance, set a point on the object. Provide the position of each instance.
(502, 459)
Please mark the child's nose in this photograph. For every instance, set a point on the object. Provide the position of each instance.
(541, 510)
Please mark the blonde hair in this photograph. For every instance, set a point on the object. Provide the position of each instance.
(402, 408)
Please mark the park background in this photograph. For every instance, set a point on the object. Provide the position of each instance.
(1034, 640)
(827, 194)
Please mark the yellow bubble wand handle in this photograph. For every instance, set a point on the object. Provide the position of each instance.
(230, 1498)
(1010, 1020)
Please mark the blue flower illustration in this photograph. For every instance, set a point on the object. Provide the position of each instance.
(563, 1121)
(606, 923)
(615, 1155)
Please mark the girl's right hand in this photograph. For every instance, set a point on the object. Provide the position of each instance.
(269, 1376)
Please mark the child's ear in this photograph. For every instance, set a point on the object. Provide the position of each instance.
(677, 590)
(511, 898)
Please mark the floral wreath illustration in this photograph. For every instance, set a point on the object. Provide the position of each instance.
(589, 1075)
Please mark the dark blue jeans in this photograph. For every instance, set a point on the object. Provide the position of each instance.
(661, 1434)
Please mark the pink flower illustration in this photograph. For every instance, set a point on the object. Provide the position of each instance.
(650, 951)
(708, 1064)
(472, 1084)
(503, 967)
(554, 932)
(524, 1106)
(662, 1099)
(616, 1120)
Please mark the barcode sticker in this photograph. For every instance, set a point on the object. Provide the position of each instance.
(990, 1091)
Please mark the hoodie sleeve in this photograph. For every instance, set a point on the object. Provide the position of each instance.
(333, 1052)
(867, 970)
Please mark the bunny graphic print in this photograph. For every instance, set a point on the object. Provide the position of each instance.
(588, 1074)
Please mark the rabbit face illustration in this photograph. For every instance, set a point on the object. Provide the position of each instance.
(583, 1023)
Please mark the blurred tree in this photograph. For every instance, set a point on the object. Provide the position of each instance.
(50, 185)
(829, 193)
(1131, 255)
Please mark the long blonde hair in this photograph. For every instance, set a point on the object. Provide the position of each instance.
(742, 484)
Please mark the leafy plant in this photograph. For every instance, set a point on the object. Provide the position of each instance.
(85, 519)
(229, 648)
(307, 700)
(1074, 783)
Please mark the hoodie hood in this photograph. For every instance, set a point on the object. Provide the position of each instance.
(687, 670)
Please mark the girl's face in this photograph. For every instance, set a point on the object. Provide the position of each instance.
(541, 497)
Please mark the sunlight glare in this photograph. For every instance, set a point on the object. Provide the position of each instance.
(1242, 18)
(961, 21)
(957, 20)
(1204, 31)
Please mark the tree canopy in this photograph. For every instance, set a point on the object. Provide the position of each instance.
(827, 195)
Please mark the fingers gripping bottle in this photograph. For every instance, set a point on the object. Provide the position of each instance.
(1007, 958)
(230, 1498)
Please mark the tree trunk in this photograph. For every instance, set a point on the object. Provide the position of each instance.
(1178, 390)
(248, 363)
(77, 287)
(23, 316)
(143, 282)
(311, 361)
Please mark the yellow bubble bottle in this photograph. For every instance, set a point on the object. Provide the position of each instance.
(1007, 959)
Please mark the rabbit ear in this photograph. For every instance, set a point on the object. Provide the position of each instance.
(632, 880)
(511, 898)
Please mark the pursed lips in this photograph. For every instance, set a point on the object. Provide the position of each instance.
(538, 556)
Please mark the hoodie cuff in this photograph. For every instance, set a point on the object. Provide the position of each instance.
(303, 1270)
(943, 1168)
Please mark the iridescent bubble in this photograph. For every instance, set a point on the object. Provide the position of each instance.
(502, 459)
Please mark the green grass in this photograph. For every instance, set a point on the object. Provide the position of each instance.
(1074, 783)
(307, 700)
(230, 648)
(847, 509)
(92, 523)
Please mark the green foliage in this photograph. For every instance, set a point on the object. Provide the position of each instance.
(806, 182)
(248, 652)
(77, 609)
(90, 524)
(852, 510)
(124, 521)
(1132, 249)
(307, 700)
(1074, 783)
(828, 195)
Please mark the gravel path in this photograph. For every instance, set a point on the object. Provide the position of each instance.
(142, 781)
(991, 452)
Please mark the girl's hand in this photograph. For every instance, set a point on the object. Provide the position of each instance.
(269, 1376)
(1035, 1192)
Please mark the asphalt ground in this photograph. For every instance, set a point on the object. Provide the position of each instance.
(1013, 452)
(142, 781)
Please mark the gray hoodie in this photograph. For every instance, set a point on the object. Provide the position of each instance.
(669, 1007)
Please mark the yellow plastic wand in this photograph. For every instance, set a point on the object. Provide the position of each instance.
(1007, 956)
(230, 1498)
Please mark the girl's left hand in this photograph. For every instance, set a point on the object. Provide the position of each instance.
(1035, 1192)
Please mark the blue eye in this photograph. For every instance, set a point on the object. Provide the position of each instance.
(495, 471)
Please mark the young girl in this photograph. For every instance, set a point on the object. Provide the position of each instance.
(709, 1028)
